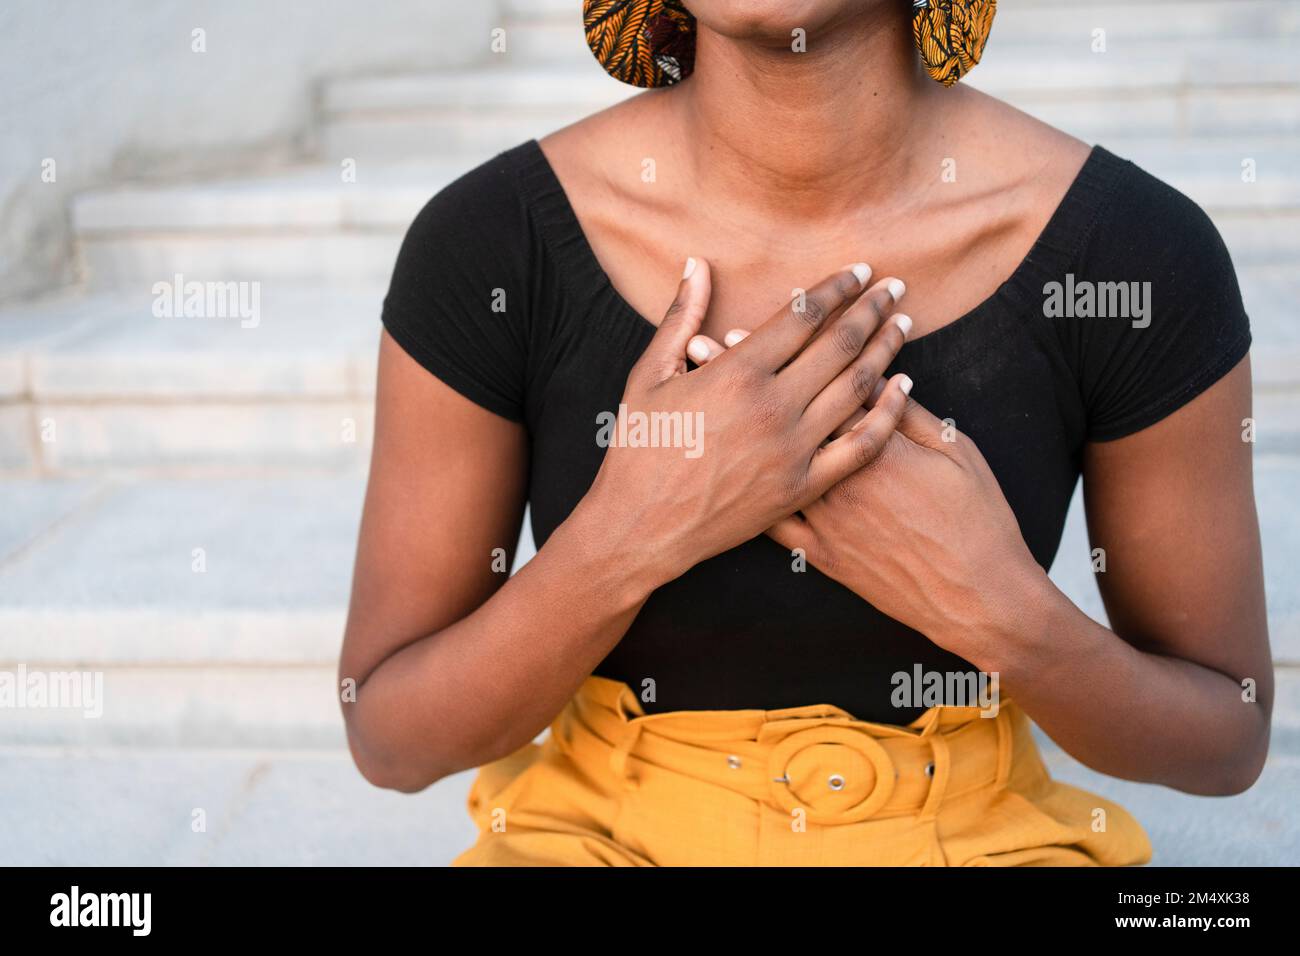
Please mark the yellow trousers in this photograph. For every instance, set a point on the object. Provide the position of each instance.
(807, 786)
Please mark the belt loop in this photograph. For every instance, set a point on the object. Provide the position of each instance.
(1005, 744)
(930, 721)
(618, 760)
(942, 762)
(626, 705)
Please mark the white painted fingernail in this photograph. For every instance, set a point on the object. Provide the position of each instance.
(734, 337)
(697, 350)
(904, 323)
(690, 267)
(896, 288)
(905, 385)
(862, 272)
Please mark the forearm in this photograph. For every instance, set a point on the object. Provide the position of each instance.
(486, 685)
(1120, 710)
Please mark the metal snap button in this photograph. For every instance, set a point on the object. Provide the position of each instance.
(733, 762)
(836, 782)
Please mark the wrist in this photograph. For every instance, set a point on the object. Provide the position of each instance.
(1016, 640)
(606, 543)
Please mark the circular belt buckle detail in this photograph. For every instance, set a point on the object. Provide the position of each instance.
(865, 744)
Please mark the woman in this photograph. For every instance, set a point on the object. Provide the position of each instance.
(718, 695)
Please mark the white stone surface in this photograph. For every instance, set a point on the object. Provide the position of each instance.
(1026, 20)
(28, 328)
(1277, 483)
(415, 116)
(308, 199)
(136, 807)
(220, 686)
(349, 257)
(331, 238)
(303, 341)
(118, 584)
(1272, 303)
(1133, 62)
(103, 384)
(16, 442)
(214, 438)
(113, 584)
(1277, 424)
(126, 391)
(1268, 240)
(581, 85)
(33, 507)
(259, 708)
(109, 91)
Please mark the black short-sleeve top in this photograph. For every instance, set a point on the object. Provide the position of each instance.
(1125, 309)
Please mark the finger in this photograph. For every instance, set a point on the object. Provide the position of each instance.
(735, 336)
(702, 350)
(848, 423)
(842, 341)
(854, 386)
(665, 356)
(860, 413)
(781, 337)
(862, 444)
(922, 427)
(791, 533)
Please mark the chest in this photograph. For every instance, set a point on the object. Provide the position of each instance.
(992, 374)
(950, 260)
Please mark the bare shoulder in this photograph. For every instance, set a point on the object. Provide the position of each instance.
(601, 163)
(606, 149)
(1006, 144)
(1006, 172)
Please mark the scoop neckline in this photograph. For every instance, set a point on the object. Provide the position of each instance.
(1054, 250)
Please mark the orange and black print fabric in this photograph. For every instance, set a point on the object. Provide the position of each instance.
(651, 43)
(951, 35)
(642, 42)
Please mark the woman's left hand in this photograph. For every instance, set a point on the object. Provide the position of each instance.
(924, 534)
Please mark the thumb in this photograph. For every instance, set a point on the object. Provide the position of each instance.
(665, 356)
(920, 426)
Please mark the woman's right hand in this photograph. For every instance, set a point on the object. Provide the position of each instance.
(747, 432)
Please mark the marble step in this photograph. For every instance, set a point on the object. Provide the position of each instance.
(279, 709)
(1142, 85)
(254, 573)
(309, 225)
(1184, 117)
(98, 578)
(1151, 17)
(547, 33)
(100, 384)
(135, 807)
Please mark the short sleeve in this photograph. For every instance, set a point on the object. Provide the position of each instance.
(458, 299)
(1155, 311)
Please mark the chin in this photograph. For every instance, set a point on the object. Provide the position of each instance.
(769, 19)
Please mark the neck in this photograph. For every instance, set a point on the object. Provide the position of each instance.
(808, 135)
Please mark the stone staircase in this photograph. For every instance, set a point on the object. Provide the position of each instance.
(133, 446)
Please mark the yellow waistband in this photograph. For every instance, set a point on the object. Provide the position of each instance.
(815, 758)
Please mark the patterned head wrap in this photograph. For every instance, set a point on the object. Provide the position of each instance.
(650, 43)
(951, 35)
